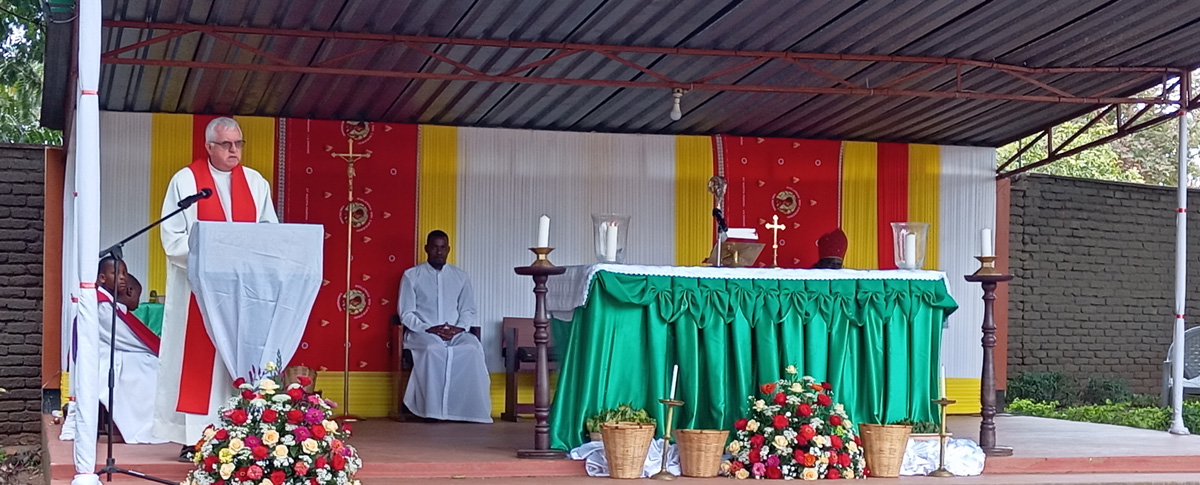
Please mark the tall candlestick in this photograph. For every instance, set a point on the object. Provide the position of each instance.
(910, 251)
(942, 383)
(985, 237)
(610, 249)
(674, 376)
(543, 240)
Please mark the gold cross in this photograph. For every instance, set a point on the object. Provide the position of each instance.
(350, 157)
(775, 227)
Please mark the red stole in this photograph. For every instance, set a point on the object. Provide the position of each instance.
(140, 330)
(199, 354)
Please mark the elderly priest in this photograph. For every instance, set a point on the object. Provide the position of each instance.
(449, 379)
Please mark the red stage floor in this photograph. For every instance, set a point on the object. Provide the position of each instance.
(393, 451)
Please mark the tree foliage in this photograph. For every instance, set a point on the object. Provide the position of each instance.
(22, 43)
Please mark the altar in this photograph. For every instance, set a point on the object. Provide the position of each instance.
(873, 335)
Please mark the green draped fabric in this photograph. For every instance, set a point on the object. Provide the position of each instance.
(151, 314)
(875, 341)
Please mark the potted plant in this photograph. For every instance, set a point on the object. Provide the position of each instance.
(623, 413)
(923, 430)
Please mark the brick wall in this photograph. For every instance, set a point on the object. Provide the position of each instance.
(21, 182)
(1094, 289)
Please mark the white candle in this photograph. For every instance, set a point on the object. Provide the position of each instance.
(942, 383)
(543, 240)
(910, 251)
(674, 377)
(610, 248)
(985, 237)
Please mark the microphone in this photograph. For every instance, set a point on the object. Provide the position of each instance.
(721, 225)
(191, 199)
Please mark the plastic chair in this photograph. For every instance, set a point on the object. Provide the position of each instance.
(1191, 366)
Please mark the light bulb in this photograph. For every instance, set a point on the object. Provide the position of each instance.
(676, 113)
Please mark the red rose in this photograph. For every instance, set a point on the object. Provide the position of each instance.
(844, 459)
(798, 455)
(735, 466)
(318, 431)
(824, 400)
(835, 442)
(210, 463)
(827, 386)
(810, 460)
(757, 440)
(339, 462)
(740, 424)
(295, 416)
(248, 394)
(239, 382)
(857, 441)
(835, 420)
(780, 398)
(767, 388)
(806, 433)
(774, 472)
(755, 455)
(238, 416)
(780, 421)
(304, 380)
(346, 427)
(804, 410)
(242, 474)
(255, 472)
(270, 415)
(278, 476)
(833, 474)
(221, 434)
(296, 393)
(259, 452)
(319, 463)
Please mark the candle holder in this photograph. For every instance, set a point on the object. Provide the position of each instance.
(987, 266)
(941, 470)
(663, 474)
(543, 258)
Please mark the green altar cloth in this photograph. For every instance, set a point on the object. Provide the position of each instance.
(151, 314)
(875, 340)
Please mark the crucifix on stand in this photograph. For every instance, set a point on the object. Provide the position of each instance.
(775, 227)
(350, 157)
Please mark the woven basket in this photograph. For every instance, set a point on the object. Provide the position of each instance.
(292, 372)
(883, 445)
(625, 447)
(700, 451)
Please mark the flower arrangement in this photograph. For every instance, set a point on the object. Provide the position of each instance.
(795, 430)
(274, 433)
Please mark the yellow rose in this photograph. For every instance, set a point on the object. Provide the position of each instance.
(791, 369)
(819, 440)
(236, 445)
(270, 437)
(851, 446)
(848, 474)
(809, 474)
(270, 366)
(330, 425)
(781, 441)
(225, 455)
(759, 405)
(742, 474)
(735, 446)
(797, 387)
(725, 467)
(268, 386)
(310, 446)
(752, 426)
(823, 459)
(226, 471)
(281, 451)
(266, 481)
(209, 433)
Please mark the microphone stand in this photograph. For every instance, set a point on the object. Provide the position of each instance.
(110, 464)
(722, 229)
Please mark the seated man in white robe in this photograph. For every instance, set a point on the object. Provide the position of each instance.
(135, 359)
(449, 378)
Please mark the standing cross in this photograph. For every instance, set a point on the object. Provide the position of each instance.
(350, 157)
(775, 227)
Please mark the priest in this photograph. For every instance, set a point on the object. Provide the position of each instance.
(193, 382)
(135, 357)
(449, 379)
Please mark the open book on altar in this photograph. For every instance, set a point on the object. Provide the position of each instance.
(739, 250)
(255, 285)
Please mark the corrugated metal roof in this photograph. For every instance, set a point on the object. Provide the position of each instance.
(1016, 32)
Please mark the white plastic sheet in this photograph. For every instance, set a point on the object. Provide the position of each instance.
(597, 464)
(964, 457)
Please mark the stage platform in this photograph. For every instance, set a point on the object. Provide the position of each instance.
(393, 451)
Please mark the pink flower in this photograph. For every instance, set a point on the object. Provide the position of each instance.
(772, 460)
(300, 468)
(255, 472)
(251, 441)
(314, 416)
(758, 469)
(301, 433)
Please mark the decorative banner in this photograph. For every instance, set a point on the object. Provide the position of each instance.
(314, 190)
(798, 180)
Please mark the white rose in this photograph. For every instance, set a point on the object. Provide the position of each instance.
(226, 470)
(752, 426)
(781, 441)
(281, 451)
(310, 446)
(759, 405)
(791, 369)
(735, 446)
(330, 425)
(797, 387)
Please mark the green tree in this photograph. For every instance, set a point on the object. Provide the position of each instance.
(22, 43)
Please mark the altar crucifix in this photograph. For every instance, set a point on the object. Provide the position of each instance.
(775, 227)
(350, 157)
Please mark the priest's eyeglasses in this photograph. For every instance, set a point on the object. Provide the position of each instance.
(228, 145)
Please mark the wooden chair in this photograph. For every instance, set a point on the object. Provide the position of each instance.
(520, 356)
(400, 363)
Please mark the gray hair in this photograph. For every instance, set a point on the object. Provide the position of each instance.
(224, 123)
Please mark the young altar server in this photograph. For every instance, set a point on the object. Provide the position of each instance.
(135, 357)
(449, 379)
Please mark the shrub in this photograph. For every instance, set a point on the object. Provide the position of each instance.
(919, 427)
(1042, 387)
(1100, 390)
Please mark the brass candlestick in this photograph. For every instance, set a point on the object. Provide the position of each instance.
(941, 470)
(987, 266)
(543, 257)
(663, 474)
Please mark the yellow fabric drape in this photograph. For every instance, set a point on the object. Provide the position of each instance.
(693, 204)
(924, 187)
(860, 191)
(170, 150)
(437, 184)
(259, 133)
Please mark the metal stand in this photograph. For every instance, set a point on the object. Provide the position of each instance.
(541, 270)
(987, 426)
(941, 469)
(663, 474)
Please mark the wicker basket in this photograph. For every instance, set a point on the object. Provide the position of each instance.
(700, 451)
(292, 372)
(625, 447)
(883, 445)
